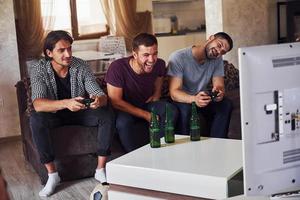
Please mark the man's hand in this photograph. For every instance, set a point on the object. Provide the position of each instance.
(99, 101)
(221, 94)
(75, 104)
(147, 116)
(151, 99)
(202, 99)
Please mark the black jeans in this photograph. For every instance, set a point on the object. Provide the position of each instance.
(217, 115)
(42, 122)
(132, 138)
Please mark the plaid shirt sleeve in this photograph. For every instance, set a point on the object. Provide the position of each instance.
(91, 85)
(38, 85)
(85, 75)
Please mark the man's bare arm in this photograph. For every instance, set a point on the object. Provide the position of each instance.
(157, 90)
(116, 96)
(176, 92)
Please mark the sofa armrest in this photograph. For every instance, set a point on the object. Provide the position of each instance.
(21, 97)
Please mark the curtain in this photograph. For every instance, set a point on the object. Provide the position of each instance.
(108, 9)
(30, 32)
(48, 18)
(125, 21)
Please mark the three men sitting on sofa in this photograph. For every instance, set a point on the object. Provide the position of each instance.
(60, 82)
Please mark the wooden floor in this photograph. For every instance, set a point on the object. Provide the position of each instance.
(24, 183)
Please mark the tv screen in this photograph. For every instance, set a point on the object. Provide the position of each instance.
(270, 114)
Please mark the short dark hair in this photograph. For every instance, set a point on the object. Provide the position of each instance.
(225, 36)
(52, 38)
(143, 39)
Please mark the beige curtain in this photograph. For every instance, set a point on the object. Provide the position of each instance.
(108, 9)
(30, 32)
(125, 21)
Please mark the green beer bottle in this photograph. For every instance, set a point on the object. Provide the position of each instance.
(194, 124)
(169, 127)
(154, 131)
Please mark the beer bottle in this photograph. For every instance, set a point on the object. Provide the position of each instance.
(154, 131)
(194, 124)
(169, 127)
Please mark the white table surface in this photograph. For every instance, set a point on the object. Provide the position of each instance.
(95, 55)
(200, 169)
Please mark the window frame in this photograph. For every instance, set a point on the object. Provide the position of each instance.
(74, 25)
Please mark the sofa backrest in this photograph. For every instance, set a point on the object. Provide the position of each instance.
(231, 76)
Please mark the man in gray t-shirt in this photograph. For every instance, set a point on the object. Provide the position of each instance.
(191, 70)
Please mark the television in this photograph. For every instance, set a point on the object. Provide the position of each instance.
(270, 117)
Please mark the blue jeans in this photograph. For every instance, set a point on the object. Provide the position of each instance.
(216, 114)
(42, 122)
(133, 131)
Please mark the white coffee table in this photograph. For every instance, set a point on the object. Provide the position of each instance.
(198, 169)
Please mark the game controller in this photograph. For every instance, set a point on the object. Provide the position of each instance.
(213, 95)
(87, 102)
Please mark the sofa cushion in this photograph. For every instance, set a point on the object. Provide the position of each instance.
(231, 76)
(67, 140)
(234, 131)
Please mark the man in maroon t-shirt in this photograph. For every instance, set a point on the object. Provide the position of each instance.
(134, 87)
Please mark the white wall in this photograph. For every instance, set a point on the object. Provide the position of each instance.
(213, 16)
(190, 14)
(143, 5)
(9, 71)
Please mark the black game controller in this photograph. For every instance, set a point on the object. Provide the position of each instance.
(87, 102)
(213, 95)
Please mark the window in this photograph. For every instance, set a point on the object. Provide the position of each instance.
(84, 19)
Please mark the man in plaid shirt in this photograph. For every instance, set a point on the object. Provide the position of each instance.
(59, 84)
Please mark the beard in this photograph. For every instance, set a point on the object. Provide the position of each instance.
(211, 53)
(62, 62)
(146, 67)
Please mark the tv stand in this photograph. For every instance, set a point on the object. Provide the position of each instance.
(282, 196)
(293, 195)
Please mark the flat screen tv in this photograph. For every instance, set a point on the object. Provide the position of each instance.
(270, 117)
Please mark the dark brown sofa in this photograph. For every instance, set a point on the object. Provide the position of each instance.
(75, 156)
(233, 93)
